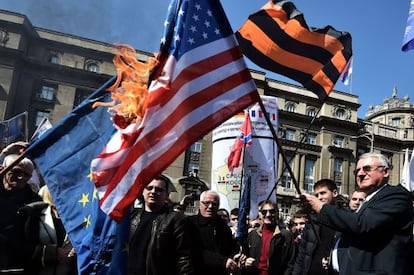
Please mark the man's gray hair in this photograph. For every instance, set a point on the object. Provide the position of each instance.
(210, 192)
(383, 159)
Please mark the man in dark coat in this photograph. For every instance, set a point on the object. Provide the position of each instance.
(160, 241)
(376, 239)
(15, 250)
(217, 249)
(272, 248)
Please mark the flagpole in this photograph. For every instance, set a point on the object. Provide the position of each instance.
(279, 145)
(242, 171)
(14, 163)
(285, 160)
(296, 148)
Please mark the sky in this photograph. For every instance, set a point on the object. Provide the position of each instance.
(377, 30)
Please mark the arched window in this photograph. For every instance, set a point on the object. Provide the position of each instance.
(311, 111)
(92, 66)
(290, 107)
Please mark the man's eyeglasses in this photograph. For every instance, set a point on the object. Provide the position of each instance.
(208, 203)
(367, 169)
(271, 211)
(156, 189)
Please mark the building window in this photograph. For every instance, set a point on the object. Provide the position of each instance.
(396, 121)
(193, 154)
(47, 93)
(311, 111)
(54, 59)
(338, 141)
(290, 107)
(80, 96)
(338, 173)
(286, 178)
(311, 139)
(196, 147)
(40, 115)
(290, 134)
(309, 175)
(340, 113)
(4, 37)
(193, 169)
(284, 210)
(92, 66)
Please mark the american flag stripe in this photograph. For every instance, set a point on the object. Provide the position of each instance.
(145, 150)
(202, 94)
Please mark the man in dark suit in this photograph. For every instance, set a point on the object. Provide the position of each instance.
(376, 239)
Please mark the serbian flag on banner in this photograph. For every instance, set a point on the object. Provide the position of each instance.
(244, 140)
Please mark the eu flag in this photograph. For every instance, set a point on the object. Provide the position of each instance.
(63, 155)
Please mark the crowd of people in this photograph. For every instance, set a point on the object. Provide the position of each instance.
(374, 235)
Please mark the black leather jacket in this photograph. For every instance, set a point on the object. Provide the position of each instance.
(281, 255)
(169, 248)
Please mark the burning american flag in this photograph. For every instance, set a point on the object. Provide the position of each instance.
(199, 80)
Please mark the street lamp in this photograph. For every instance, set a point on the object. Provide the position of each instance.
(369, 136)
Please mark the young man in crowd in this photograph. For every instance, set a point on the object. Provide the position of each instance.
(315, 249)
(357, 198)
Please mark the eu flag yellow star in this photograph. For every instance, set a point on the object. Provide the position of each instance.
(85, 199)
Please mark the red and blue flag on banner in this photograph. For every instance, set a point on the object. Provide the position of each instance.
(244, 140)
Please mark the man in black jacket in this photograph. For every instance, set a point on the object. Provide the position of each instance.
(217, 249)
(271, 247)
(377, 238)
(160, 242)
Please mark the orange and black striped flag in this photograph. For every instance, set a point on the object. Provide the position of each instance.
(278, 39)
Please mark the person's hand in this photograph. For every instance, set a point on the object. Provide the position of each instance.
(325, 262)
(311, 201)
(231, 265)
(240, 258)
(249, 262)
